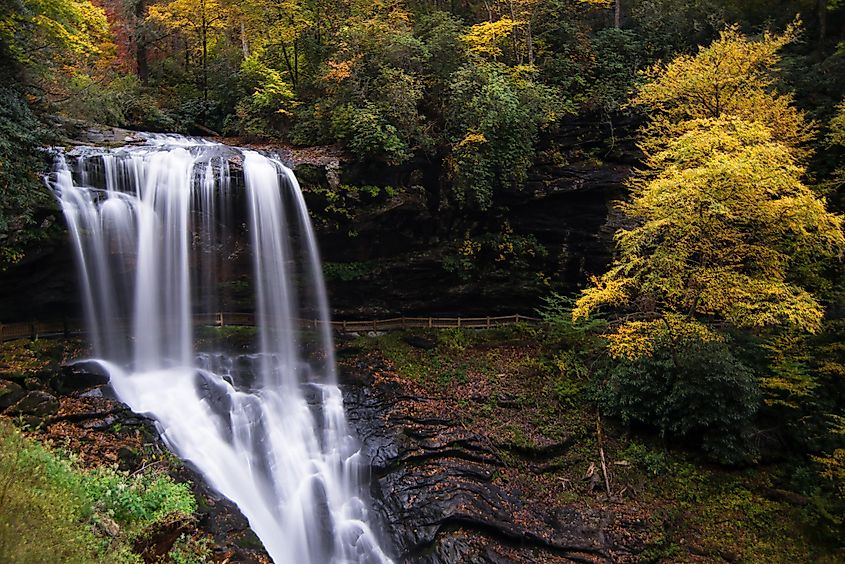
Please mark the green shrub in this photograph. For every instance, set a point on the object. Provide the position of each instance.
(697, 391)
(563, 332)
(368, 133)
(494, 117)
(347, 271)
(455, 339)
(270, 101)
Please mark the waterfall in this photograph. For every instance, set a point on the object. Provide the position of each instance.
(151, 226)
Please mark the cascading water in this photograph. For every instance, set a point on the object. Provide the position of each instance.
(151, 225)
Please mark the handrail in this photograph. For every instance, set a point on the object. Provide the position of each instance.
(67, 328)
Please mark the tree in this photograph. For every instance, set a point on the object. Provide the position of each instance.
(721, 226)
(733, 76)
(494, 116)
(48, 41)
(723, 237)
(44, 46)
(371, 86)
(205, 20)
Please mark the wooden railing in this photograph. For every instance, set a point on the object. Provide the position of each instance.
(70, 328)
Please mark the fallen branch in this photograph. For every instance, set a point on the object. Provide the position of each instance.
(601, 452)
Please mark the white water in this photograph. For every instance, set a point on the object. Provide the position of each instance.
(151, 226)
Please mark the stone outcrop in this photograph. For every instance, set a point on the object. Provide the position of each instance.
(441, 491)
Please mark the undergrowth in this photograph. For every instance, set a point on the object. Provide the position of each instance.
(53, 511)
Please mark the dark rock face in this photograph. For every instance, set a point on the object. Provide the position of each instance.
(81, 376)
(401, 243)
(567, 205)
(435, 486)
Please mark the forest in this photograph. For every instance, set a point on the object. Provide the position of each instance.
(709, 336)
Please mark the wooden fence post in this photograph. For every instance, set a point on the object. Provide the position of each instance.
(33, 331)
(459, 322)
(488, 322)
(517, 318)
(429, 323)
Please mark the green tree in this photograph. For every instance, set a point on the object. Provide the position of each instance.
(371, 87)
(494, 116)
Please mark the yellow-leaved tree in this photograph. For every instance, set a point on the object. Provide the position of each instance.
(734, 76)
(202, 22)
(721, 219)
(720, 222)
(722, 236)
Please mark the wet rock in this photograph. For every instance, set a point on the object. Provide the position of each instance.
(34, 407)
(10, 393)
(234, 541)
(437, 497)
(81, 376)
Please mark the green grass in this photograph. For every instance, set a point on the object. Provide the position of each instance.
(53, 511)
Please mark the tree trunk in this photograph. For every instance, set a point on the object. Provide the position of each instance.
(617, 14)
(821, 7)
(141, 42)
(204, 61)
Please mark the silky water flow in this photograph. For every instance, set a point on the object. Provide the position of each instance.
(152, 227)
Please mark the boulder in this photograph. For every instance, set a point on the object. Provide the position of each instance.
(34, 407)
(81, 376)
(10, 393)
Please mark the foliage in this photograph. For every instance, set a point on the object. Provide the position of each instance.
(701, 250)
(20, 163)
(502, 251)
(493, 118)
(487, 38)
(334, 207)
(836, 140)
(733, 76)
(347, 271)
(270, 101)
(47, 35)
(41, 519)
(694, 389)
(723, 236)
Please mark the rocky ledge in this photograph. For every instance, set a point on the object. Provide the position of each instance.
(447, 493)
(75, 407)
